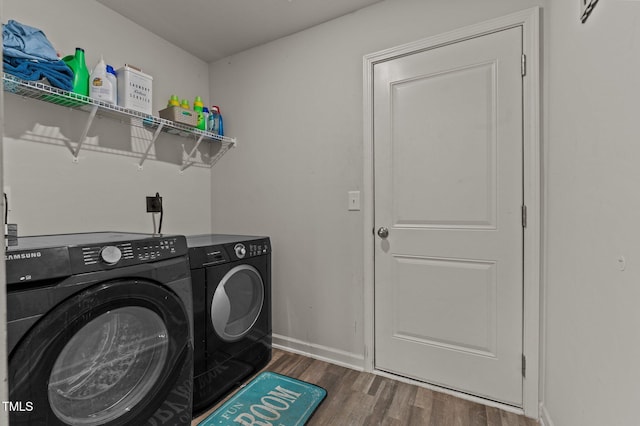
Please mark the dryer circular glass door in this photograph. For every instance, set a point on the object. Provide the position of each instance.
(108, 355)
(237, 303)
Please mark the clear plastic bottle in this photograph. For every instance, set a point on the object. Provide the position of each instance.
(215, 121)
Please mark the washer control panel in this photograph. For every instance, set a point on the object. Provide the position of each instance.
(40, 257)
(118, 254)
(155, 249)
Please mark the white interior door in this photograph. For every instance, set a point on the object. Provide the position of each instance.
(448, 172)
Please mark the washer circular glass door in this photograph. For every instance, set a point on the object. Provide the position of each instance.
(108, 366)
(111, 354)
(237, 303)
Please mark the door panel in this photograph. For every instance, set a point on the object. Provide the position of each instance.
(462, 317)
(448, 186)
(455, 187)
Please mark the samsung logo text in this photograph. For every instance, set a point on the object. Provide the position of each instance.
(22, 256)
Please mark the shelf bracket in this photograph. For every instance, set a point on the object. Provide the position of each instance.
(223, 150)
(188, 163)
(92, 115)
(151, 143)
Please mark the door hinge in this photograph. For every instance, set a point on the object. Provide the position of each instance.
(524, 216)
(524, 366)
(524, 64)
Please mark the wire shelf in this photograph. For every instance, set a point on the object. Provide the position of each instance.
(53, 95)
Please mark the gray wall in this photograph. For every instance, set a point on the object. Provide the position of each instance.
(296, 107)
(593, 200)
(48, 193)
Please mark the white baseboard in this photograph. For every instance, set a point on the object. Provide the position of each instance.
(322, 353)
(356, 362)
(460, 395)
(545, 419)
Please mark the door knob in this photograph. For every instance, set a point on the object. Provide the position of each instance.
(383, 232)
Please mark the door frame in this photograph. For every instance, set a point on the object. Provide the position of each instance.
(529, 20)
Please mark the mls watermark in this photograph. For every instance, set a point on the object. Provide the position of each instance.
(17, 406)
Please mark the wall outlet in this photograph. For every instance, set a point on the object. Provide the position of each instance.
(154, 204)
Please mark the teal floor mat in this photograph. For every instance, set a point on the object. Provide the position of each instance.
(269, 398)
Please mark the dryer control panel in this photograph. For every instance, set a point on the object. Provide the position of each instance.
(213, 249)
(249, 249)
(260, 248)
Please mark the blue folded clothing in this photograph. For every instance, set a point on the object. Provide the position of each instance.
(23, 41)
(58, 73)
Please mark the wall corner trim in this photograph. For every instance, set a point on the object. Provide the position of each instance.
(545, 418)
(320, 352)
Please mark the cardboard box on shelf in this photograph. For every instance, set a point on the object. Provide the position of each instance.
(179, 115)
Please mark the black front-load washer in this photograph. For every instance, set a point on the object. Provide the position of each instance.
(231, 276)
(99, 330)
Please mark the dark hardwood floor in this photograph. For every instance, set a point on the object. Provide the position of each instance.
(356, 398)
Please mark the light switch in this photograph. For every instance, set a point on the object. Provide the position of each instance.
(354, 200)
